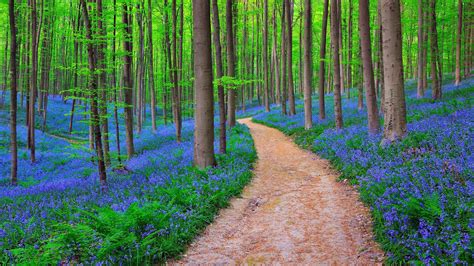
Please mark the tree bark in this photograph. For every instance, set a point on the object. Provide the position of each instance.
(420, 89)
(230, 62)
(289, 53)
(335, 35)
(95, 119)
(204, 112)
(13, 95)
(151, 79)
(435, 66)
(307, 66)
(283, 61)
(395, 107)
(220, 73)
(371, 98)
(33, 78)
(127, 79)
(457, 75)
(265, 58)
(322, 63)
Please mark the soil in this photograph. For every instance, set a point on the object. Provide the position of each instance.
(293, 212)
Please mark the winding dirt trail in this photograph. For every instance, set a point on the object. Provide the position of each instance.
(293, 212)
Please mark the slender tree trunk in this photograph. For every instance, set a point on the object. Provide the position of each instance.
(13, 95)
(95, 120)
(283, 61)
(102, 82)
(421, 66)
(151, 80)
(220, 73)
(276, 62)
(349, 51)
(33, 78)
(307, 65)
(457, 75)
(265, 58)
(230, 62)
(114, 85)
(322, 58)
(174, 73)
(435, 66)
(335, 20)
(127, 79)
(371, 99)
(204, 112)
(395, 107)
(289, 53)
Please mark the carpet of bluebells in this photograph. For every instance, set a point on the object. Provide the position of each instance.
(421, 189)
(149, 213)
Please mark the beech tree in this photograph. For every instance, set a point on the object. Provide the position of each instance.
(368, 71)
(457, 77)
(322, 65)
(395, 107)
(335, 21)
(307, 65)
(204, 116)
(127, 78)
(13, 94)
(231, 103)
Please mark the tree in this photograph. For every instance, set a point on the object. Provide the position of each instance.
(395, 107)
(127, 78)
(204, 110)
(366, 51)
(220, 73)
(94, 98)
(265, 58)
(151, 73)
(307, 65)
(435, 64)
(457, 78)
(322, 58)
(13, 94)
(289, 60)
(33, 78)
(174, 75)
(421, 66)
(230, 61)
(335, 20)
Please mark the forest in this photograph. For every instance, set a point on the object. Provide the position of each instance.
(287, 132)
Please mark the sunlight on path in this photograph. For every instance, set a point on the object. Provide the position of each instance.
(293, 212)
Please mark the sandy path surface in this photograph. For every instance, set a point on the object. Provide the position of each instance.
(293, 212)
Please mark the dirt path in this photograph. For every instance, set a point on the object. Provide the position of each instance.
(293, 212)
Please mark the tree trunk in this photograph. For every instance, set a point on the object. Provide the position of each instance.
(95, 119)
(151, 80)
(335, 20)
(33, 78)
(230, 62)
(13, 95)
(289, 53)
(395, 108)
(283, 61)
(220, 73)
(102, 82)
(435, 66)
(174, 73)
(127, 79)
(457, 79)
(371, 99)
(204, 110)
(322, 58)
(307, 65)
(265, 58)
(420, 89)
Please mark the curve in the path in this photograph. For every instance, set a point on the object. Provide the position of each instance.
(293, 212)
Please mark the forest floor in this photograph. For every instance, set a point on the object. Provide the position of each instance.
(294, 211)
